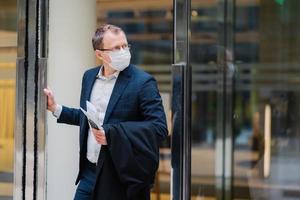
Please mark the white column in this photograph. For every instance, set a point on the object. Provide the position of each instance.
(71, 26)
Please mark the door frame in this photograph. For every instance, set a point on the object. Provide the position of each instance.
(31, 64)
(181, 102)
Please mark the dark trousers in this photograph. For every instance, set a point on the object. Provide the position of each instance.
(87, 182)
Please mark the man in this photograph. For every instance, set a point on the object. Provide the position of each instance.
(118, 161)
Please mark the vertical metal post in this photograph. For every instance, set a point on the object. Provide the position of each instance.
(19, 158)
(177, 132)
(181, 94)
(20, 119)
(41, 101)
(30, 107)
(30, 166)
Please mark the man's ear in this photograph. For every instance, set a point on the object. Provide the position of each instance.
(98, 54)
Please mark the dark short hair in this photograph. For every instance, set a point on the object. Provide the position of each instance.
(99, 34)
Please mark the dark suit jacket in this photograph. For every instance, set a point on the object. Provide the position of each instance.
(134, 124)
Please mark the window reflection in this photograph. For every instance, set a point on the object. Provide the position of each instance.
(264, 74)
(267, 133)
(203, 56)
(8, 54)
(149, 29)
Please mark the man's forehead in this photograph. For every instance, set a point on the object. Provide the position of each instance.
(113, 37)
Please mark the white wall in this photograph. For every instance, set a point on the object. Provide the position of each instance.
(71, 26)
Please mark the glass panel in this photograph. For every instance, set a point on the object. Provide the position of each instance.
(8, 55)
(205, 108)
(267, 100)
(149, 29)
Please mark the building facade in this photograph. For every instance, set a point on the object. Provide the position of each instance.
(227, 71)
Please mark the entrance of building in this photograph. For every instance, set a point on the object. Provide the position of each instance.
(235, 110)
(228, 72)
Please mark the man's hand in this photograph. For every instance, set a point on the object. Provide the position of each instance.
(51, 104)
(99, 136)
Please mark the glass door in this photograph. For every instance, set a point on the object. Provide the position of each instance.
(266, 95)
(211, 54)
(235, 100)
(202, 100)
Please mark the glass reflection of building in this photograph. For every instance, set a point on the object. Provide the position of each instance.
(149, 30)
(8, 54)
(257, 85)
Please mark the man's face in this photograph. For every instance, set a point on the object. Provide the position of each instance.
(112, 41)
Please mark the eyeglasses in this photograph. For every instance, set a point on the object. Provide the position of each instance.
(117, 48)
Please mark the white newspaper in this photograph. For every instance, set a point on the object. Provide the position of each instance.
(92, 115)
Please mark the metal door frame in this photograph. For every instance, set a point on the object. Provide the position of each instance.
(181, 106)
(181, 103)
(30, 167)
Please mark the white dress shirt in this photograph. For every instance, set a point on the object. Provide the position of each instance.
(100, 96)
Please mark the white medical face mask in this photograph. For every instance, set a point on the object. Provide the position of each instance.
(119, 59)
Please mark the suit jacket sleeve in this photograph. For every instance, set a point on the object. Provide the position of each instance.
(133, 145)
(69, 116)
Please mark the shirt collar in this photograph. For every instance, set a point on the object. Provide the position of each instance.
(110, 77)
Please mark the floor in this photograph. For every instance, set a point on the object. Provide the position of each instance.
(247, 166)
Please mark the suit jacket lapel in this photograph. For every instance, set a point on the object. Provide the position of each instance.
(120, 85)
(90, 83)
(87, 90)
